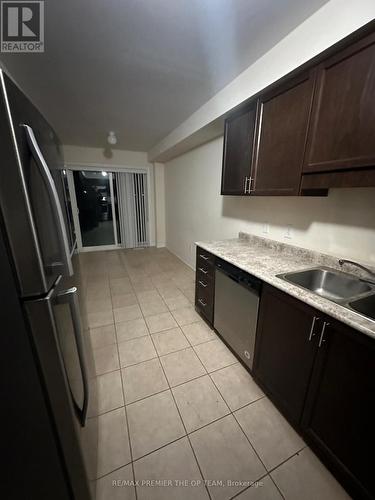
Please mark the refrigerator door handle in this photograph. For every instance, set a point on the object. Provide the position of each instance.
(70, 297)
(54, 197)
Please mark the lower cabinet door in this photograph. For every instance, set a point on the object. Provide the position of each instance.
(339, 417)
(285, 349)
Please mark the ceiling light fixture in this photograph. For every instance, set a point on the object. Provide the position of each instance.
(104, 174)
(112, 139)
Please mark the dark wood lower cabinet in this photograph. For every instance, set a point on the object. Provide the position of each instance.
(285, 350)
(205, 284)
(320, 373)
(339, 416)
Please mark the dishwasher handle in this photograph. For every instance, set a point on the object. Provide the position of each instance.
(228, 274)
(242, 278)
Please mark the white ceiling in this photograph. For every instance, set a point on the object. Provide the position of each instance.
(141, 67)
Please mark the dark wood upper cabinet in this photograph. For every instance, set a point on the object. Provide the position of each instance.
(342, 128)
(281, 137)
(238, 152)
(285, 350)
(311, 131)
(339, 415)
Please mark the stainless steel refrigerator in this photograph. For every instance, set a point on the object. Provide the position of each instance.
(39, 239)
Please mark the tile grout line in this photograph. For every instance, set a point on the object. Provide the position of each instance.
(182, 421)
(190, 346)
(157, 357)
(243, 432)
(250, 486)
(164, 355)
(287, 459)
(232, 412)
(126, 414)
(170, 388)
(220, 418)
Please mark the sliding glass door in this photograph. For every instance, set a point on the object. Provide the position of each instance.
(110, 210)
(96, 211)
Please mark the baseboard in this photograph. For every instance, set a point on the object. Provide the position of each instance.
(179, 257)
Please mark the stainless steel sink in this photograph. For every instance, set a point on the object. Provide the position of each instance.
(345, 289)
(364, 306)
(329, 283)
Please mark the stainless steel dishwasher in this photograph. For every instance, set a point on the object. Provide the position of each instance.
(236, 309)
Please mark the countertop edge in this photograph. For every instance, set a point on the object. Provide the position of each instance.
(300, 294)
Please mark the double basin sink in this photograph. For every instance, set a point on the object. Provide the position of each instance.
(349, 291)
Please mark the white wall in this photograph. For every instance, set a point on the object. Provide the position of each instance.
(342, 224)
(332, 22)
(160, 204)
(79, 155)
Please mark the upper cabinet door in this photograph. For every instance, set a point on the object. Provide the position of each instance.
(281, 137)
(342, 129)
(238, 151)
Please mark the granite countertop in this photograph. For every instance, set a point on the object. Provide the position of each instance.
(265, 259)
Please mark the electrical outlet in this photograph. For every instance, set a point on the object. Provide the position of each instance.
(266, 228)
(289, 232)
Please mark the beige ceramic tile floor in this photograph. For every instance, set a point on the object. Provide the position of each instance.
(179, 416)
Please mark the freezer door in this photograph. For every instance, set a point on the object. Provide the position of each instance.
(31, 193)
(58, 336)
(69, 330)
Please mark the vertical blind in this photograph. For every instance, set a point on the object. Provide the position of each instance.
(133, 209)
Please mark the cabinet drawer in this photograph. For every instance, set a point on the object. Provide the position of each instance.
(205, 288)
(204, 258)
(205, 280)
(205, 283)
(204, 270)
(204, 301)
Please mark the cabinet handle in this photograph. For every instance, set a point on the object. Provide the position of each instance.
(248, 185)
(204, 257)
(312, 334)
(202, 284)
(322, 339)
(202, 303)
(251, 180)
(203, 270)
(245, 185)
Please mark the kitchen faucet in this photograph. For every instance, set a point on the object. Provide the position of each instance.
(356, 264)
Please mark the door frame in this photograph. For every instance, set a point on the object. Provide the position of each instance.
(110, 169)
